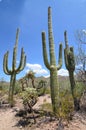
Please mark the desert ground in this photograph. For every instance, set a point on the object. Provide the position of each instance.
(10, 121)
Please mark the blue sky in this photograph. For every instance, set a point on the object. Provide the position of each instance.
(31, 17)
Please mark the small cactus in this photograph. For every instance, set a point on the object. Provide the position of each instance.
(53, 68)
(14, 70)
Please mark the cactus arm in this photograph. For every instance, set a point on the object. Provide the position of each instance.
(66, 50)
(45, 50)
(51, 39)
(66, 39)
(60, 57)
(69, 55)
(17, 37)
(5, 64)
(65, 57)
(71, 59)
(22, 62)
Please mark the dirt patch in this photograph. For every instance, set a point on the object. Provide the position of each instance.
(8, 120)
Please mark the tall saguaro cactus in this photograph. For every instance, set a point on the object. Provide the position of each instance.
(14, 70)
(70, 66)
(53, 68)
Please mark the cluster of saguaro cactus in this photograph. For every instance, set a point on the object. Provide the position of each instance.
(70, 66)
(13, 71)
(53, 68)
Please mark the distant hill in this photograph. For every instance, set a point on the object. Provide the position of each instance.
(61, 80)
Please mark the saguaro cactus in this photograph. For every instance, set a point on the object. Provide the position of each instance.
(70, 66)
(53, 68)
(14, 70)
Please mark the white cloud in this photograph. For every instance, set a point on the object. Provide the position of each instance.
(37, 68)
(63, 72)
(34, 66)
(79, 66)
(40, 71)
(47, 76)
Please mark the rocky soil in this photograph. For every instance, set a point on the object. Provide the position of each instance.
(9, 119)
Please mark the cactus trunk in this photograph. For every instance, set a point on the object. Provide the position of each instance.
(54, 87)
(11, 89)
(73, 85)
(72, 82)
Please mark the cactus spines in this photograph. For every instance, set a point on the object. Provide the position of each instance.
(14, 70)
(52, 64)
(70, 66)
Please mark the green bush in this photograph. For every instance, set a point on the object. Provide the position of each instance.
(66, 106)
(46, 107)
(18, 88)
(29, 97)
(47, 91)
(80, 87)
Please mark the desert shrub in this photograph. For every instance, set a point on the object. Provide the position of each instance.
(4, 89)
(47, 91)
(66, 106)
(4, 85)
(46, 107)
(18, 88)
(80, 87)
(1, 87)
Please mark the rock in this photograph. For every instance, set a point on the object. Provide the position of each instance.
(16, 109)
(65, 123)
(20, 127)
(60, 125)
